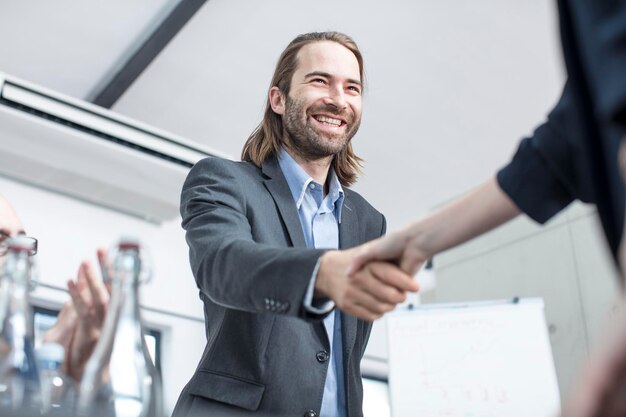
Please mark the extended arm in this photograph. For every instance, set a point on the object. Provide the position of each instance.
(479, 211)
(544, 176)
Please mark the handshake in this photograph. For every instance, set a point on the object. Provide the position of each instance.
(373, 278)
(370, 280)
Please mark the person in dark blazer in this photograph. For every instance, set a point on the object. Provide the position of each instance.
(263, 238)
(578, 153)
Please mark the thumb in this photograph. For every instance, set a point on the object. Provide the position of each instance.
(362, 255)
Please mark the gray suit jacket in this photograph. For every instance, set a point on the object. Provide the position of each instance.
(251, 264)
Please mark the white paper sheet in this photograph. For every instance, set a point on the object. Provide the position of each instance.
(488, 359)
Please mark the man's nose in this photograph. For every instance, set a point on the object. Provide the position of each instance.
(336, 98)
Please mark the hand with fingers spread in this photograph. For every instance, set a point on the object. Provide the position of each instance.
(90, 299)
(63, 330)
(80, 321)
(366, 293)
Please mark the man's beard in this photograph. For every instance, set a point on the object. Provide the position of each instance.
(307, 141)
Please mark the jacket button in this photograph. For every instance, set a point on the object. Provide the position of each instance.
(322, 356)
(310, 413)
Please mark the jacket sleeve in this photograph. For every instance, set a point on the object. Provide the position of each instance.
(600, 30)
(229, 266)
(547, 172)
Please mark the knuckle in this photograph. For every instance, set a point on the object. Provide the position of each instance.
(348, 294)
(388, 308)
(396, 296)
(382, 309)
(358, 279)
(392, 296)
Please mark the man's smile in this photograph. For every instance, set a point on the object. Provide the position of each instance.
(329, 120)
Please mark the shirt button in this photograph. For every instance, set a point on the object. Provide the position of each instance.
(310, 413)
(312, 186)
(322, 356)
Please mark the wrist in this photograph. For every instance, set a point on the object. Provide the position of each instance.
(417, 237)
(328, 262)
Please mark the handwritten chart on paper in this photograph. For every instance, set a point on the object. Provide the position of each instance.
(478, 360)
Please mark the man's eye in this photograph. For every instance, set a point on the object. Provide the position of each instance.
(355, 89)
(319, 80)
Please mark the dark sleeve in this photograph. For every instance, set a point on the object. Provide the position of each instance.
(229, 266)
(547, 172)
(600, 28)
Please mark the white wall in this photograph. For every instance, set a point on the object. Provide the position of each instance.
(69, 231)
(452, 84)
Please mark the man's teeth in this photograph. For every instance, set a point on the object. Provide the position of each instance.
(328, 120)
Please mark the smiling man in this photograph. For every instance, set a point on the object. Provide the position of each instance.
(263, 237)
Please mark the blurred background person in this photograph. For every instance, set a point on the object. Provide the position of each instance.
(81, 319)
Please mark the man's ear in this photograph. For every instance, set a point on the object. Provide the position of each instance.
(277, 100)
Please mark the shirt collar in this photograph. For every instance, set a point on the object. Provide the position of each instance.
(298, 181)
(335, 193)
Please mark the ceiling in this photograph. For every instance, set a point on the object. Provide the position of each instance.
(452, 84)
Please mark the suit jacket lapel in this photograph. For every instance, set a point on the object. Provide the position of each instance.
(348, 238)
(279, 189)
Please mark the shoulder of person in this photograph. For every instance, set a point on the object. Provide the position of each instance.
(224, 167)
(352, 198)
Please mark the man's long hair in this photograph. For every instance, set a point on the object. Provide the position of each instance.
(265, 140)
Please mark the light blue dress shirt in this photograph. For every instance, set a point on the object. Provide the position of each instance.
(320, 217)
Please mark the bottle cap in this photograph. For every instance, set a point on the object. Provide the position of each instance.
(21, 243)
(129, 242)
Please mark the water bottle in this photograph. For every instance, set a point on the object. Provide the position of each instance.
(120, 379)
(58, 393)
(20, 390)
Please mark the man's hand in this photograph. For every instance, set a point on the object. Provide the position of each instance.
(401, 247)
(368, 292)
(63, 329)
(90, 299)
(80, 321)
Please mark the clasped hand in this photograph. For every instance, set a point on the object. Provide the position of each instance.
(362, 282)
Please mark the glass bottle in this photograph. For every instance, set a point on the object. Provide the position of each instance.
(120, 378)
(58, 393)
(20, 390)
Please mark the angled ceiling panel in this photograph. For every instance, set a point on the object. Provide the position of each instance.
(119, 81)
(70, 46)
